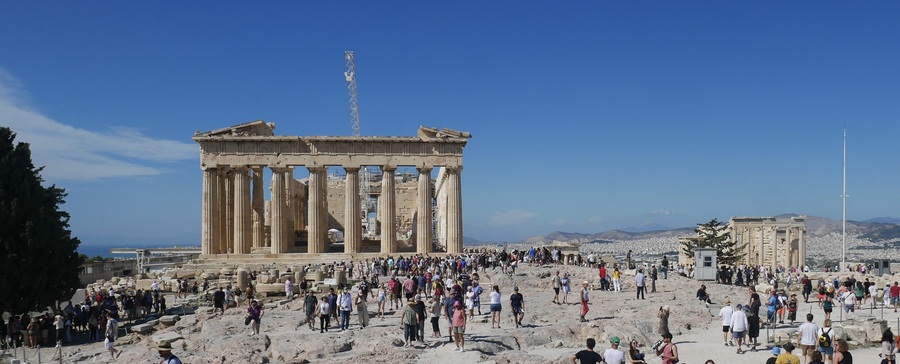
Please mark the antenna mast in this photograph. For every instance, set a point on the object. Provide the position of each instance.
(844, 196)
(365, 204)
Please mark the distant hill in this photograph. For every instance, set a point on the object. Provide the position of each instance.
(875, 230)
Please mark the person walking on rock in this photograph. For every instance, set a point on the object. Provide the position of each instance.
(738, 325)
(495, 307)
(324, 312)
(725, 313)
(309, 307)
(654, 274)
(517, 305)
(566, 287)
(459, 326)
(557, 285)
(615, 277)
(585, 298)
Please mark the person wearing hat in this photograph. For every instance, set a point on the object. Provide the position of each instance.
(725, 313)
(584, 300)
(459, 326)
(165, 352)
(517, 305)
(613, 355)
(786, 357)
(667, 350)
(776, 350)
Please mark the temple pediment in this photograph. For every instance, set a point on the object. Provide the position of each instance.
(253, 128)
(428, 133)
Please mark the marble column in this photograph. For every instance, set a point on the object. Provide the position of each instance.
(791, 254)
(801, 246)
(291, 206)
(242, 220)
(352, 226)
(259, 210)
(454, 211)
(224, 210)
(761, 253)
(279, 202)
(316, 215)
(423, 212)
(388, 213)
(210, 216)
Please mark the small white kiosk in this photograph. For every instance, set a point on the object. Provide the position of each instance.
(705, 264)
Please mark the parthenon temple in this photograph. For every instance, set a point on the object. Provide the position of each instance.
(327, 213)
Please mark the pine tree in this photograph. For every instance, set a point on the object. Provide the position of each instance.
(713, 235)
(39, 264)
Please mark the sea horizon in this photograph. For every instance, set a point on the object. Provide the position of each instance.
(103, 250)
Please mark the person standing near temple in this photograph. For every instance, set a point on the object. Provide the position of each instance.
(653, 276)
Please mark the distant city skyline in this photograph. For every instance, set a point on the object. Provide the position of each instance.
(585, 117)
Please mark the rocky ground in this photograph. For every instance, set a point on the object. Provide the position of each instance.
(552, 333)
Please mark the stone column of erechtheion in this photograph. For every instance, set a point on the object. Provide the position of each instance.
(316, 214)
(210, 211)
(279, 201)
(423, 212)
(454, 211)
(242, 219)
(259, 208)
(801, 246)
(791, 254)
(352, 226)
(388, 213)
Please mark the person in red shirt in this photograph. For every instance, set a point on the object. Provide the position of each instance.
(895, 295)
(604, 283)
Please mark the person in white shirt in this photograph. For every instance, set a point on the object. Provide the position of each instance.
(614, 355)
(808, 338)
(725, 313)
(739, 327)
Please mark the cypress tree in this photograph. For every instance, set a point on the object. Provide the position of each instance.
(39, 263)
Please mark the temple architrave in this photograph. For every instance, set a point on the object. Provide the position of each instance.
(297, 221)
(770, 241)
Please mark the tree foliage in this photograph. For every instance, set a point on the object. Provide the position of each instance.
(39, 264)
(713, 235)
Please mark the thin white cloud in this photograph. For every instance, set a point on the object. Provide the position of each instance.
(596, 219)
(560, 222)
(662, 212)
(510, 217)
(71, 153)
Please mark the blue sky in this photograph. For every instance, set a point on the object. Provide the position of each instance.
(586, 116)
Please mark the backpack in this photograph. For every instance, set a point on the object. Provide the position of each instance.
(825, 339)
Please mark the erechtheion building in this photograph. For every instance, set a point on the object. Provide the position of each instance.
(771, 241)
(299, 220)
(767, 241)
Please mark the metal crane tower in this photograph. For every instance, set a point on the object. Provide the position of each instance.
(365, 204)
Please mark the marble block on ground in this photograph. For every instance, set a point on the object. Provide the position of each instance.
(142, 328)
(169, 320)
(168, 337)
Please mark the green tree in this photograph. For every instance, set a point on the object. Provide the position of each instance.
(713, 235)
(39, 264)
